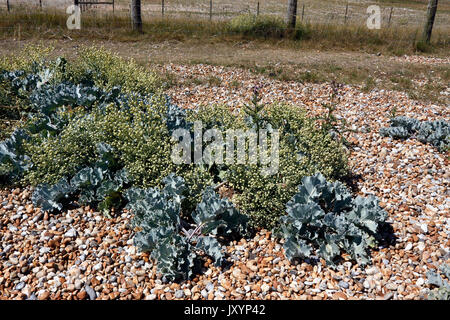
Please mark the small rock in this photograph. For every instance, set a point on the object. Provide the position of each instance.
(97, 267)
(209, 287)
(265, 287)
(77, 284)
(20, 286)
(44, 295)
(424, 228)
(388, 296)
(72, 233)
(391, 286)
(81, 295)
(343, 284)
(90, 292)
(372, 271)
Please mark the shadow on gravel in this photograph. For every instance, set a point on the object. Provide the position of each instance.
(351, 181)
(385, 235)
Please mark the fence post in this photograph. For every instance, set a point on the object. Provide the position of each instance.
(390, 16)
(136, 18)
(7, 5)
(431, 14)
(162, 8)
(257, 9)
(303, 11)
(346, 11)
(210, 10)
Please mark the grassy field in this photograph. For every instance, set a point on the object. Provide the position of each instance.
(322, 50)
(51, 24)
(405, 12)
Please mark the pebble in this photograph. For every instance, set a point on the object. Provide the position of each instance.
(408, 177)
(343, 284)
(179, 294)
(91, 293)
(72, 233)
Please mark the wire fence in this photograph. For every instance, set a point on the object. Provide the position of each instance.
(408, 13)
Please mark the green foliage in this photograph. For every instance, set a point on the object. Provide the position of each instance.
(323, 217)
(93, 75)
(67, 121)
(140, 135)
(58, 156)
(218, 117)
(137, 131)
(436, 133)
(267, 26)
(423, 46)
(442, 290)
(50, 198)
(175, 244)
(100, 184)
(259, 26)
(304, 150)
(27, 58)
(13, 161)
(330, 123)
(100, 67)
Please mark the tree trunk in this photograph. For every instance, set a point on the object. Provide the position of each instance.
(292, 13)
(136, 19)
(431, 14)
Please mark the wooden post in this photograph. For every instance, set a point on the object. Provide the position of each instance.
(390, 16)
(346, 11)
(40, 4)
(292, 13)
(136, 18)
(257, 9)
(113, 5)
(431, 14)
(7, 5)
(162, 8)
(210, 10)
(303, 11)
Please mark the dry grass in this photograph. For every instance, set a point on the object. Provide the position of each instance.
(347, 53)
(51, 24)
(411, 12)
(424, 82)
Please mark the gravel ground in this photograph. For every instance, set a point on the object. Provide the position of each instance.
(80, 254)
(422, 59)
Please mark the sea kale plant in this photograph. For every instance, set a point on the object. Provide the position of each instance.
(436, 133)
(442, 290)
(100, 184)
(324, 218)
(13, 162)
(178, 245)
